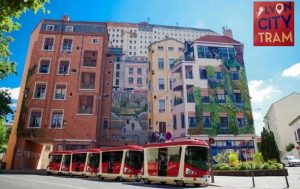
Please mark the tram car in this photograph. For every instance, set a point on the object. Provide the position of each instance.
(85, 162)
(179, 162)
(121, 163)
(59, 162)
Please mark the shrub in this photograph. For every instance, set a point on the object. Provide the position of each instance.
(255, 166)
(264, 166)
(258, 157)
(245, 166)
(290, 147)
(220, 158)
(233, 159)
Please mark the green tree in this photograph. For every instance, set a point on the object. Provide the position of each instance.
(269, 148)
(290, 147)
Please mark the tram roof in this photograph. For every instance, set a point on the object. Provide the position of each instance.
(119, 148)
(96, 150)
(178, 143)
(60, 152)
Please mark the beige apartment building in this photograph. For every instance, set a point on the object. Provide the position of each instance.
(279, 116)
(163, 55)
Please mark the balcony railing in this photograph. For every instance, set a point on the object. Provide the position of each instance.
(177, 101)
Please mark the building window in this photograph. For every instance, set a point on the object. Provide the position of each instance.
(170, 48)
(90, 58)
(240, 122)
(49, 27)
(234, 75)
(139, 81)
(224, 122)
(130, 80)
(161, 84)
(238, 98)
(162, 105)
(60, 91)
(67, 45)
(57, 119)
(160, 48)
(203, 74)
(162, 129)
(117, 74)
(130, 70)
(105, 123)
(63, 67)
(117, 82)
(85, 104)
(219, 75)
(69, 29)
(206, 121)
(200, 50)
(40, 91)
(205, 99)
(95, 41)
(171, 63)
(35, 120)
(160, 63)
(174, 122)
(139, 70)
(48, 44)
(182, 120)
(180, 49)
(221, 98)
(44, 66)
(192, 122)
(118, 66)
(87, 80)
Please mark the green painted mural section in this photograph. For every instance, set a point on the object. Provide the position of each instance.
(229, 107)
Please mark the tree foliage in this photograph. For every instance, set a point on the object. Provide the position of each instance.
(269, 148)
(290, 147)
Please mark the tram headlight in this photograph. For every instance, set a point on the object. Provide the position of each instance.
(189, 171)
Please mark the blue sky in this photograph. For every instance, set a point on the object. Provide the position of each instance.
(273, 72)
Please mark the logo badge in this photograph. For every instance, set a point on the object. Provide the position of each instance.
(273, 23)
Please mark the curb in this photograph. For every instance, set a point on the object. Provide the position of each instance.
(23, 172)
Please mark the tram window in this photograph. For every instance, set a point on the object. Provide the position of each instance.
(112, 156)
(79, 158)
(153, 155)
(134, 159)
(174, 154)
(197, 157)
(67, 160)
(56, 158)
(94, 159)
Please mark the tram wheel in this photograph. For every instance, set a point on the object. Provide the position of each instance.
(146, 181)
(162, 182)
(100, 177)
(180, 183)
(120, 179)
(70, 175)
(197, 185)
(48, 173)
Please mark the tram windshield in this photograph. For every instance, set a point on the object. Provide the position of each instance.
(134, 159)
(67, 160)
(197, 157)
(94, 159)
(55, 158)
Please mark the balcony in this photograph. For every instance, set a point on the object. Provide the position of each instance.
(177, 100)
(190, 98)
(177, 83)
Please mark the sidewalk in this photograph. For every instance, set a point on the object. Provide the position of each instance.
(24, 171)
(268, 182)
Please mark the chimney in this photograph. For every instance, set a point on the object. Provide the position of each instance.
(65, 18)
(227, 32)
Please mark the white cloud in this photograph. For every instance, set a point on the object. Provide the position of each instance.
(13, 105)
(292, 71)
(259, 121)
(259, 91)
(14, 92)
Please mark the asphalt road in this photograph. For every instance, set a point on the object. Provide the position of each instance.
(23, 181)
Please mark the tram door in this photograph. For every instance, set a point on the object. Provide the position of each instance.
(162, 162)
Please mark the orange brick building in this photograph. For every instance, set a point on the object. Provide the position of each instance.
(65, 98)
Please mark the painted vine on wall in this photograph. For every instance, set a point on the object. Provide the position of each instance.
(229, 107)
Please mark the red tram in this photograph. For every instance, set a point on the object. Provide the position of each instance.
(181, 162)
(85, 162)
(59, 162)
(121, 163)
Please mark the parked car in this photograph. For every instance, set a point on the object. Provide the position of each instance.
(290, 161)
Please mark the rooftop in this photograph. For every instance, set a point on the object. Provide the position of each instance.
(217, 39)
